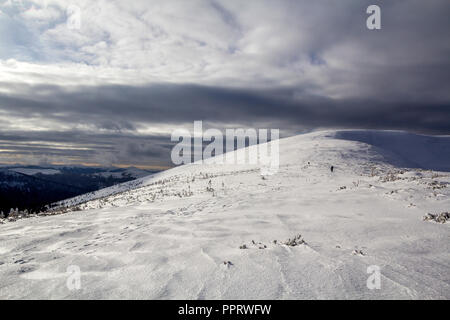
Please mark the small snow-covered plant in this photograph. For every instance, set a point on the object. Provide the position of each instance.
(437, 185)
(442, 217)
(296, 241)
(209, 187)
(358, 252)
(258, 245)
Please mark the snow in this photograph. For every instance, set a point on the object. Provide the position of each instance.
(124, 173)
(166, 237)
(406, 149)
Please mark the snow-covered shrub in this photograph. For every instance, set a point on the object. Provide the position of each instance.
(437, 185)
(358, 252)
(442, 217)
(296, 241)
(209, 187)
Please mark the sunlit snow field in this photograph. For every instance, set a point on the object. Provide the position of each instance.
(219, 231)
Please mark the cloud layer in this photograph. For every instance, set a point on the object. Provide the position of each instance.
(112, 90)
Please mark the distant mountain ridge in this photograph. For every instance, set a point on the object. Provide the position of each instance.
(33, 187)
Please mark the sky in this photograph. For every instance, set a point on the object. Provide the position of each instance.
(106, 82)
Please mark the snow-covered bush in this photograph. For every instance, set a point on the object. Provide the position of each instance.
(296, 241)
(442, 217)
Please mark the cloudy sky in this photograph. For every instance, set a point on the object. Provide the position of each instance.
(110, 87)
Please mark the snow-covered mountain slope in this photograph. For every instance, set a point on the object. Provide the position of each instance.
(406, 149)
(130, 172)
(220, 231)
(33, 187)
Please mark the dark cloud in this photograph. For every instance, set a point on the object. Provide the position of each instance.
(121, 108)
(76, 147)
